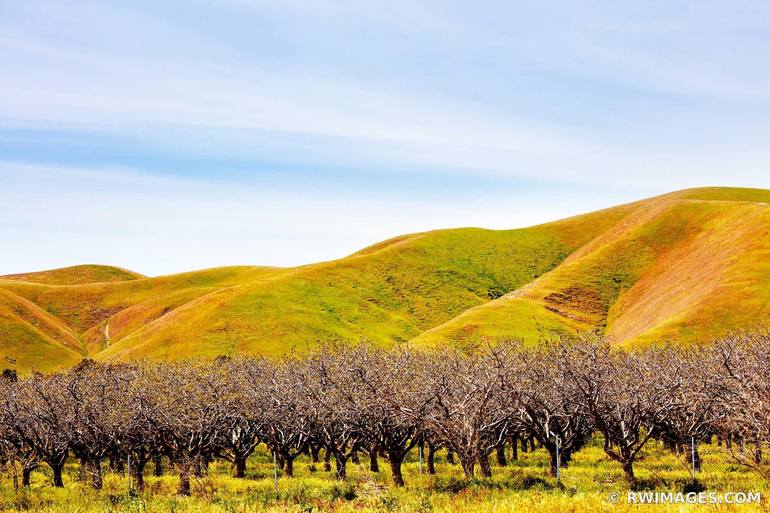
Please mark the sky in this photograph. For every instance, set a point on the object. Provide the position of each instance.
(170, 136)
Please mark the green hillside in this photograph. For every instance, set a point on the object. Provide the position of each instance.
(682, 266)
(388, 293)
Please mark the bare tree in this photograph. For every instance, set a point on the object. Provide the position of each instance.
(467, 412)
(615, 392)
(40, 412)
(327, 391)
(191, 403)
(741, 366)
(245, 380)
(391, 400)
(549, 408)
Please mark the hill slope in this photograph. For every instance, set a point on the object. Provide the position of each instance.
(387, 293)
(689, 264)
(75, 275)
(32, 338)
(692, 264)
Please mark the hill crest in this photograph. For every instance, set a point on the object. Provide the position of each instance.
(76, 275)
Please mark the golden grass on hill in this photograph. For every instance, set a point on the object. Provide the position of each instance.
(32, 338)
(76, 275)
(685, 266)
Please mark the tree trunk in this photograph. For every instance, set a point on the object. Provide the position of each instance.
(25, 475)
(501, 461)
(240, 467)
(340, 464)
(432, 459)
(757, 455)
(57, 480)
(698, 462)
(514, 449)
(327, 460)
(486, 469)
(524, 446)
(628, 470)
(137, 471)
(157, 459)
(450, 457)
(288, 466)
(469, 465)
(551, 448)
(532, 444)
(116, 463)
(313, 451)
(83, 470)
(96, 474)
(354, 458)
(201, 467)
(374, 465)
(184, 478)
(395, 469)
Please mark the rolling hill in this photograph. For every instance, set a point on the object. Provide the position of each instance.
(76, 275)
(687, 266)
(683, 266)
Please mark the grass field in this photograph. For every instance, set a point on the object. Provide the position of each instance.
(522, 486)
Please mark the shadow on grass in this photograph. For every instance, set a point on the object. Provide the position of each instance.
(455, 485)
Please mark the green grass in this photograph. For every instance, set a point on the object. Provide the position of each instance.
(521, 486)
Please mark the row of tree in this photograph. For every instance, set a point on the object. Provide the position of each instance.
(346, 401)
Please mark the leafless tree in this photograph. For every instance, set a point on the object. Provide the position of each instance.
(550, 408)
(391, 401)
(740, 370)
(615, 391)
(192, 404)
(469, 410)
(327, 391)
(246, 383)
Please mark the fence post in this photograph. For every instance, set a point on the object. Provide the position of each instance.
(419, 452)
(692, 452)
(275, 475)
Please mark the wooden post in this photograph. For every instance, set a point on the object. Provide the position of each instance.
(275, 475)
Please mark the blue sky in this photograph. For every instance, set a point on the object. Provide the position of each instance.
(168, 136)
